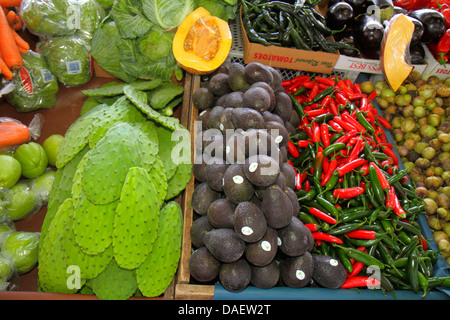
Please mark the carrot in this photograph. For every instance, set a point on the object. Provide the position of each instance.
(10, 3)
(14, 20)
(10, 51)
(19, 41)
(13, 133)
(5, 70)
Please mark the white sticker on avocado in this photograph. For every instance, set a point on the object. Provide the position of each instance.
(202, 113)
(279, 139)
(334, 262)
(73, 67)
(246, 231)
(265, 245)
(221, 127)
(238, 179)
(253, 166)
(279, 242)
(299, 274)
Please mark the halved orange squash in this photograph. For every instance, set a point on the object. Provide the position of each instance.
(202, 42)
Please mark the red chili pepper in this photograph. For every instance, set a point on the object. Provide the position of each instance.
(364, 170)
(345, 125)
(327, 81)
(326, 237)
(292, 149)
(322, 215)
(364, 104)
(357, 88)
(331, 168)
(423, 242)
(362, 234)
(314, 92)
(325, 134)
(383, 180)
(308, 84)
(307, 186)
(383, 122)
(443, 46)
(333, 108)
(341, 98)
(372, 96)
(298, 181)
(304, 143)
(316, 132)
(335, 126)
(396, 206)
(386, 144)
(315, 113)
(355, 96)
(357, 149)
(347, 193)
(311, 226)
(360, 281)
(386, 164)
(446, 13)
(345, 138)
(325, 101)
(357, 267)
(346, 117)
(350, 166)
(391, 154)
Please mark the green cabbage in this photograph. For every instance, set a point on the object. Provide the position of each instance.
(129, 18)
(68, 58)
(223, 9)
(167, 14)
(156, 44)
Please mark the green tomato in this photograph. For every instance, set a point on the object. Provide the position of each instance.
(6, 270)
(22, 248)
(51, 146)
(22, 201)
(32, 158)
(43, 184)
(10, 171)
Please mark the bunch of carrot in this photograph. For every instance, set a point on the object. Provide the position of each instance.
(11, 43)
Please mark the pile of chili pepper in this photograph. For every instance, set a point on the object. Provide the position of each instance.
(358, 205)
(296, 25)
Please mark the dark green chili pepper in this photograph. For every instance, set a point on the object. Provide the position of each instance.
(376, 185)
(362, 257)
(333, 148)
(329, 207)
(401, 225)
(309, 196)
(307, 218)
(385, 254)
(412, 270)
(363, 121)
(406, 250)
(345, 260)
(391, 244)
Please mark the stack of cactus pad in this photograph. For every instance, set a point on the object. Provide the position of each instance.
(112, 227)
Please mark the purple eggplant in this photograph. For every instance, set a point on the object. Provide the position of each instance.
(339, 15)
(433, 24)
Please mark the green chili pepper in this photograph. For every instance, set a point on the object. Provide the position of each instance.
(307, 218)
(363, 121)
(362, 257)
(329, 207)
(333, 148)
(406, 250)
(412, 270)
(345, 260)
(376, 185)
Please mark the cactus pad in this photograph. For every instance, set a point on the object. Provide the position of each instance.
(156, 272)
(115, 283)
(136, 221)
(158, 177)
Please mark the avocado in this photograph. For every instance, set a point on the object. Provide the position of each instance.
(214, 117)
(202, 197)
(236, 79)
(218, 84)
(269, 90)
(294, 199)
(213, 144)
(203, 99)
(203, 118)
(260, 142)
(221, 213)
(221, 100)
(255, 200)
(328, 272)
(234, 99)
(226, 120)
(278, 132)
(236, 186)
(297, 272)
(294, 119)
(269, 116)
(294, 239)
(256, 98)
(235, 148)
(224, 244)
(283, 154)
(289, 173)
(283, 106)
(277, 207)
(214, 172)
(198, 168)
(290, 128)
(249, 222)
(261, 170)
(256, 71)
(247, 118)
(235, 276)
(265, 277)
(203, 267)
(277, 81)
(199, 228)
(262, 252)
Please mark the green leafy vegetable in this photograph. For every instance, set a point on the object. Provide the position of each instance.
(129, 18)
(167, 14)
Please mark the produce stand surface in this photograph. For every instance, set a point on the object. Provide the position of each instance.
(186, 290)
(55, 121)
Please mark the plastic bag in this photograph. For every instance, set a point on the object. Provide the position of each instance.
(22, 248)
(14, 133)
(69, 59)
(9, 279)
(35, 86)
(21, 200)
(395, 58)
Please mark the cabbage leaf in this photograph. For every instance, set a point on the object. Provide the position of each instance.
(168, 14)
(129, 18)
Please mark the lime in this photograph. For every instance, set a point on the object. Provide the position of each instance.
(22, 248)
(21, 201)
(51, 146)
(32, 158)
(10, 171)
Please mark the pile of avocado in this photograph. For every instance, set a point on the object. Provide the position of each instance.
(245, 229)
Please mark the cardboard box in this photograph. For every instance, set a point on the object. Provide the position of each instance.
(373, 66)
(287, 58)
(440, 71)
